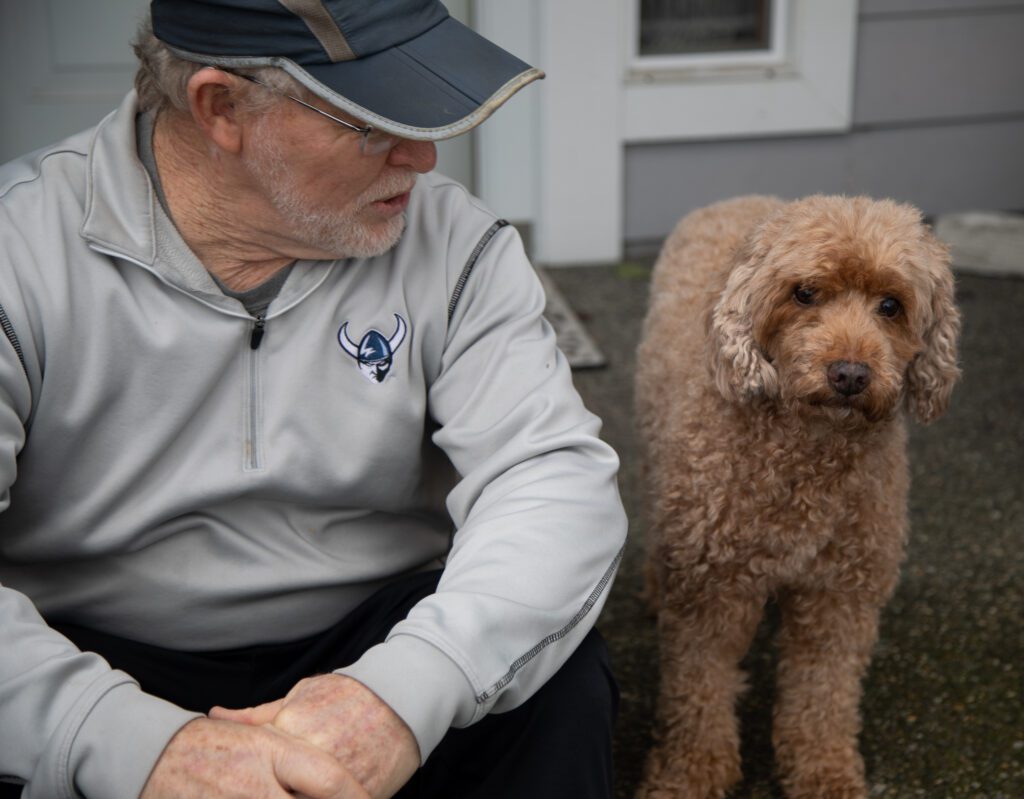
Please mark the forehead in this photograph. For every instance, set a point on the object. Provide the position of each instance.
(865, 275)
(849, 253)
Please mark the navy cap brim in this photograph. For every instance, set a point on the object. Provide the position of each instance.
(439, 84)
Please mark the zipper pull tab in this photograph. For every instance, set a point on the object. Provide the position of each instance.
(258, 331)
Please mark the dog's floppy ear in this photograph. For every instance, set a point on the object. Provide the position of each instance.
(740, 369)
(933, 372)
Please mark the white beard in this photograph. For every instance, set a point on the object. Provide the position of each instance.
(335, 231)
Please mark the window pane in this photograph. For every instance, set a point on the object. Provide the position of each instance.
(683, 27)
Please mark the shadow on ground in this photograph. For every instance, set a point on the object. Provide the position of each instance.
(942, 707)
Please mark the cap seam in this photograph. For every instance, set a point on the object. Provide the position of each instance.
(422, 68)
(445, 76)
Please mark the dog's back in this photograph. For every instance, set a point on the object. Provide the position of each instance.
(698, 253)
(687, 280)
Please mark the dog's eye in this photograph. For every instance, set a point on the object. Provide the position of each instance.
(804, 295)
(890, 306)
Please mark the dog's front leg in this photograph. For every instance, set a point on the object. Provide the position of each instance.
(825, 645)
(702, 640)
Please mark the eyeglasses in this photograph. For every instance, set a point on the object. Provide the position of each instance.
(372, 141)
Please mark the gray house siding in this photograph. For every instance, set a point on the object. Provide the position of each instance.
(938, 121)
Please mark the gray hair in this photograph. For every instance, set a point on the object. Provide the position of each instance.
(161, 80)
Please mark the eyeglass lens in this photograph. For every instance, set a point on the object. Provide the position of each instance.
(377, 142)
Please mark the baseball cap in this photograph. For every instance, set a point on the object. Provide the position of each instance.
(404, 66)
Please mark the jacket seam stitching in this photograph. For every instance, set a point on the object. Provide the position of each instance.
(7, 188)
(555, 636)
(474, 256)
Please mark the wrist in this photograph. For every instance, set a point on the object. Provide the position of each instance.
(120, 741)
(424, 687)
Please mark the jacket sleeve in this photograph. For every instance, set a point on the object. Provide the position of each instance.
(70, 725)
(539, 524)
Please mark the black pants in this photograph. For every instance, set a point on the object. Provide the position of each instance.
(555, 746)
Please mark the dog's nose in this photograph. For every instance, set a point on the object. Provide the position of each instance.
(848, 378)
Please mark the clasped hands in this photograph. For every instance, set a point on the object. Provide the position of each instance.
(329, 738)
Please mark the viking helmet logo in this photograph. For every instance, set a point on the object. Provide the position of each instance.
(374, 353)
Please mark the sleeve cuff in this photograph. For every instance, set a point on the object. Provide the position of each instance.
(121, 740)
(427, 690)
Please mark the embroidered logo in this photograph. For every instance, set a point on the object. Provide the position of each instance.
(374, 353)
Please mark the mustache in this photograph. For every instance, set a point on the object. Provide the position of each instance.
(390, 186)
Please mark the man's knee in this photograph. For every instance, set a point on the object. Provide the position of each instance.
(583, 694)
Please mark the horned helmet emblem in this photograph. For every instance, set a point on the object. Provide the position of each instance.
(374, 353)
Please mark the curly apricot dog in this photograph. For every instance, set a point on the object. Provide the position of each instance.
(782, 344)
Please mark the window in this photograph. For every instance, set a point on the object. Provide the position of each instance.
(687, 34)
(701, 69)
(684, 27)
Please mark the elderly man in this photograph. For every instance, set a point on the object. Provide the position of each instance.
(298, 496)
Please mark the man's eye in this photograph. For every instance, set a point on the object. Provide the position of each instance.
(889, 307)
(804, 295)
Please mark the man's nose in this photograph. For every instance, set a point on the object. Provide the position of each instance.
(420, 156)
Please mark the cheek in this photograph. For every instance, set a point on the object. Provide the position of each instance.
(331, 169)
(785, 324)
(334, 184)
(906, 344)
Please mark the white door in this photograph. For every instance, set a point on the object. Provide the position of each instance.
(618, 76)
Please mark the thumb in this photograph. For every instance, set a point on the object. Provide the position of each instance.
(257, 716)
(311, 773)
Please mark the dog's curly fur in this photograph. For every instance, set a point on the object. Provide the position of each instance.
(772, 380)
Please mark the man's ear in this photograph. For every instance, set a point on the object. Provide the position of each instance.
(212, 96)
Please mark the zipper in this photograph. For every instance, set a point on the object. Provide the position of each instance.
(8, 329)
(259, 329)
(253, 444)
(253, 457)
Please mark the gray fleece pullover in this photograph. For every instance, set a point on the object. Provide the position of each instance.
(175, 472)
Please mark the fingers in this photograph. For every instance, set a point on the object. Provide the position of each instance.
(347, 720)
(257, 716)
(311, 773)
(217, 759)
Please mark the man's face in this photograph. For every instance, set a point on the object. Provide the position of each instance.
(329, 195)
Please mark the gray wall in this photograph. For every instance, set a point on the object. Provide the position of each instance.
(938, 121)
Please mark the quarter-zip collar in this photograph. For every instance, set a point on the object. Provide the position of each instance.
(119, 202)
(123, 218)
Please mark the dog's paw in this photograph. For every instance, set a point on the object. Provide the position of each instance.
(678, 790)
(674, 777)
(825, 784)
